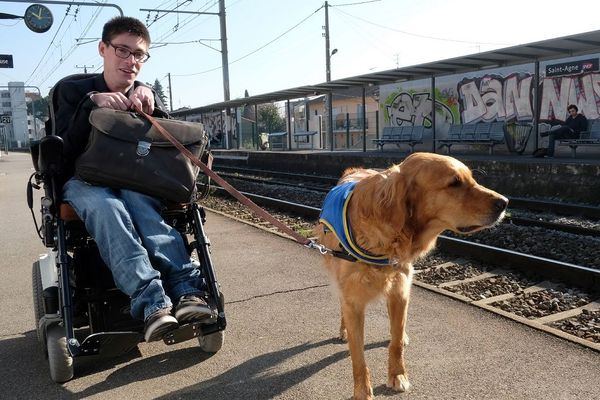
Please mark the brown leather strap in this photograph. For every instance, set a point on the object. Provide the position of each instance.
(225, 185)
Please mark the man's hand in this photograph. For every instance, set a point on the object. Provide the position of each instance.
(114, 100)
(143, 98)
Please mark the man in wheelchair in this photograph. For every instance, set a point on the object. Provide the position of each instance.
(149, 259)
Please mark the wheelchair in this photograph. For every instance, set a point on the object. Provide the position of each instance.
(78, 310)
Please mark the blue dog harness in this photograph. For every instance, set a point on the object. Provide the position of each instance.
(334, 217)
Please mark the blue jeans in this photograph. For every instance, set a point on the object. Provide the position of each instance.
(564, 132)
(147, 257)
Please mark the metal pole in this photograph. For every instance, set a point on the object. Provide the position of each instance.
(33, 119)
(364, 118)
(224, 57)
(67, 3)
(348, 131)
(433, 127)
(170, 93)
(327, 50)
(537, 104)
(330, 120)
(328, 79)
(289, 124)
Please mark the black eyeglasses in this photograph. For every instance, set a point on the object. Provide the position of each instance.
(124, 52)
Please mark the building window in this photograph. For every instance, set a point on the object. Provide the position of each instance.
(6, 104)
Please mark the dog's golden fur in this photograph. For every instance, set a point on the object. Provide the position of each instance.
(399, 213)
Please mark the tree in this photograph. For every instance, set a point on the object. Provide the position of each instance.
(41, 107)
(269, 119)
(160, 92)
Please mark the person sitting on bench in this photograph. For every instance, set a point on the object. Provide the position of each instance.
(573, 126)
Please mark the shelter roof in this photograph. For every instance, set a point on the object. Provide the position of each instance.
(567, 46)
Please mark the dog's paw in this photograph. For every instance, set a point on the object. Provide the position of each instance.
(399, 383)
(343, 335)
(405, 340)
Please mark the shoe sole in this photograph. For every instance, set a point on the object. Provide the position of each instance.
(193, 314)
(160, 328)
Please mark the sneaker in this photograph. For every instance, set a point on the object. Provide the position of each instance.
(159, 324)
(192, 308)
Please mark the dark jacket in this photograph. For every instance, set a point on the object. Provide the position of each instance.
(73, 107)
(578, 124)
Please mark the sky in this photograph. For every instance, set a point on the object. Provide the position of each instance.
(279, 44)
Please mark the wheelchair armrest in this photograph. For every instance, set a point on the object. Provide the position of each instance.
(50, 155)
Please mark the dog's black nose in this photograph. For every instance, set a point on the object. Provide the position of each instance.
(500, 204)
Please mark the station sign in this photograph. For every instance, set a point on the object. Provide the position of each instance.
(574, 67)
(6, 61)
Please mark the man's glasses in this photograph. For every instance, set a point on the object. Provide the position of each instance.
(124, 52)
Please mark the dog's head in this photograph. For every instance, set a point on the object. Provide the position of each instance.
(439, 192)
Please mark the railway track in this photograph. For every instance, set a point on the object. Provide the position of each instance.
(569, 218)
(550, 295)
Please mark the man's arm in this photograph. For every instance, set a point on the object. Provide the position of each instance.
(581, 122)
(72, 112)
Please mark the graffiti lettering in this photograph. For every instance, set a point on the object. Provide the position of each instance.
(493, 97)
(407, 109)
(558, 93)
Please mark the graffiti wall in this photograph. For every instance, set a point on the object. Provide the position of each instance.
(503, 94)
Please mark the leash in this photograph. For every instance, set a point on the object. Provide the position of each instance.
(230, 189)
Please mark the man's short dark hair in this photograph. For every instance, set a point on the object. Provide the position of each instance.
(573, 106)
(119, 25)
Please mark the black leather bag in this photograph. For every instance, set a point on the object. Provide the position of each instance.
(125, 151)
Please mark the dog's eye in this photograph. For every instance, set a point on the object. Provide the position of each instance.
(456, 182)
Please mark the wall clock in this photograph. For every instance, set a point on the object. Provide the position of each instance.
(38, 18)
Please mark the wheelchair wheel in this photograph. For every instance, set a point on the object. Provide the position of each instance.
(59, 358)
(212, 343)
(38, 300)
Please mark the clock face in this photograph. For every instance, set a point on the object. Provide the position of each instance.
(38, 18)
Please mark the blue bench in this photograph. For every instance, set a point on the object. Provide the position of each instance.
(485, 133)
(411, 135)
(589, 137)
(277, 140)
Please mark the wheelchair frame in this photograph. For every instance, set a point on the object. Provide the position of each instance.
(55, 299)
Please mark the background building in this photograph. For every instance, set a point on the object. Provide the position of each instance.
(13, 116)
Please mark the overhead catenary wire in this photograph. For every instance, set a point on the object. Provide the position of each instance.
(258, 49)
(91, 21)
(418, 34)
(49, 46)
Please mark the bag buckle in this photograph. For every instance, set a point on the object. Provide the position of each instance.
(143, 148)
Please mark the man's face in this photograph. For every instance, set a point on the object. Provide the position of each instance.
(120, 73)
(572, 112)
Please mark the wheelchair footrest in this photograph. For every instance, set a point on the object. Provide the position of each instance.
(110, 343)
(187, 332)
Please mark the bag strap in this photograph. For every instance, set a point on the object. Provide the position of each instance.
(225, 185)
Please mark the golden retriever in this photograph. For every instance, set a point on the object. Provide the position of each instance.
(397, 214)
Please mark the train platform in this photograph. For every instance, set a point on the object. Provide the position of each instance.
(565, 178)
(280, 343)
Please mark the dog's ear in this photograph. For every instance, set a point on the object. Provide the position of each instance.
(391, 197)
